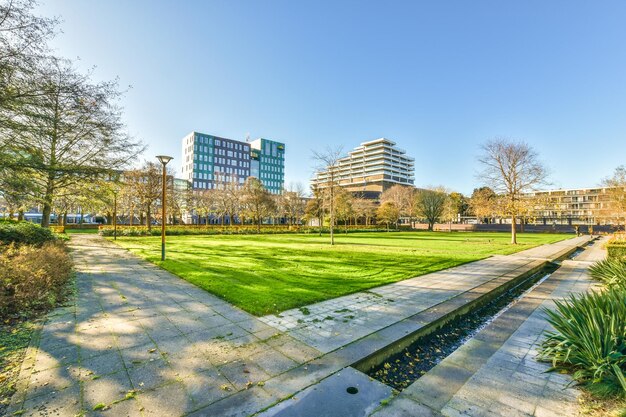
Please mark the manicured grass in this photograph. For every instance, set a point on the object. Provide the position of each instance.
(265, 274)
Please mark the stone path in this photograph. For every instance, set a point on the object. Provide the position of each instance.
(331, 324)
(496, 373)
(140, 341)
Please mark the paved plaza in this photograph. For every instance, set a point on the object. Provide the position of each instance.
(139, 341)
(496, 373)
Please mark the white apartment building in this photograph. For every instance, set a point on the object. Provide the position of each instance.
(371, 168)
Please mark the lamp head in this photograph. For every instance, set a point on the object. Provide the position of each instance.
(164, 159)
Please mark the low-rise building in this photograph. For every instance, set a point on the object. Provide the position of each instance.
(572, 206)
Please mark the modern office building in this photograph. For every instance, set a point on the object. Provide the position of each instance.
(370, 169)
(268, 164)
(209, 161)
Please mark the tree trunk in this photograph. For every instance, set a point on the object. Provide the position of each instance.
(45, 214)
(20, 215)
(148, 222)
(64, 219)
(513, 230)
(47, 206)
(258, 226)
(332, 228)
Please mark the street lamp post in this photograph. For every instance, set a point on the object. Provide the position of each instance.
(164, 160)
(114, 214)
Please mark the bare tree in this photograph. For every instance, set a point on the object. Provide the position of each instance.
(398, 195)
(511, 169)
(177, 201)
(228, 196)
(327, 176)
(203, 203)
(364, 208)
(294, 203)
(147, 183)
(257, 201)
(315, 209)
(403, 197)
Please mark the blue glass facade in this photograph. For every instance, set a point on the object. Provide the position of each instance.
(268, 158)
(209, 161)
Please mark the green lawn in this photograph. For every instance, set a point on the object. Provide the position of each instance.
(265, 274)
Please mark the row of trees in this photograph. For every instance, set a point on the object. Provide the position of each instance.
(229, 202)
(60, 131)
(509, 170)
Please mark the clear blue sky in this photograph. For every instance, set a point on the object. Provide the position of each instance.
(438, 77)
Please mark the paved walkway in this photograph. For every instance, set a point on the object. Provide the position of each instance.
(331, 324)
(140, 341)
(496, 373)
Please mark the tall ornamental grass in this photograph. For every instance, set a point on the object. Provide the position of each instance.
(611, 272)
(589, 339)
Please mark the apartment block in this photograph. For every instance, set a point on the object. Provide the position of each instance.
(209, 161)
(572, 206)
(370, 169)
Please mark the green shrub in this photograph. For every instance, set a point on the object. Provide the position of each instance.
(32, 278)
(590, 339)
(616, 250)
(611, 272)
(24, 233)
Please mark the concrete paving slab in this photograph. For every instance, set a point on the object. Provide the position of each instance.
(134, 326)
(348, 393)
(505, 379)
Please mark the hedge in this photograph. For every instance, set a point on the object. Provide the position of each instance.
(616, 250)
(23, 232)
(225, 230)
